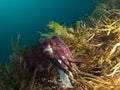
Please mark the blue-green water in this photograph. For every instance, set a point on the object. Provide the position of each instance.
(28, 16)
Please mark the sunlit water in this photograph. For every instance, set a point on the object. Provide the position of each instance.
(28, 16)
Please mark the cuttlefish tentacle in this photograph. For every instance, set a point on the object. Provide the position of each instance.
(61, 57)
(62, 60)
(66, 56)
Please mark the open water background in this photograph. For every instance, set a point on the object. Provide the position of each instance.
(25, 17)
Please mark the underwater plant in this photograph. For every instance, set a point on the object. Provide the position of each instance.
(96, 40)
(98, 43)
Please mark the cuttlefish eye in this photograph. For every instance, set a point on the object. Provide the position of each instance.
(48, 49)
(48, 52)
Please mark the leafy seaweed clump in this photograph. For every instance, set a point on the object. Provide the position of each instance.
(98, 41)
(15, 75)
(12, 75)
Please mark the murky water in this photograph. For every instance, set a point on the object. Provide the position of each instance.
(28, 16)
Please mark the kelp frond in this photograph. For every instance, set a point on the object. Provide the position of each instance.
(97, 41)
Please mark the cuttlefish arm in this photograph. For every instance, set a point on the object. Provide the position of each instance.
(64, 56)
(48, 52)
(59, 54)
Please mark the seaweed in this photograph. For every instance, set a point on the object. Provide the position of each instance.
(12, 75)
(97, 40)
